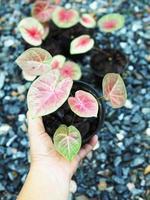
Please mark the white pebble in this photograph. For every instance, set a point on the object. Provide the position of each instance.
(4, 129)
(73, 186)
(147, 131)
(93, 5)
(130, 186)
(120, 136)
(128, 104)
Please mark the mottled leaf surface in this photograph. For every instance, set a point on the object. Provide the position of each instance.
(67, 141)
(34, 61)
(47, 93)
(114, 90)
(83, 104)
(81, 44)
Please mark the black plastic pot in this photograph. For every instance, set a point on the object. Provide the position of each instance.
(105, 61)
(87, 126)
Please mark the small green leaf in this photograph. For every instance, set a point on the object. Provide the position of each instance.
(67, 141)
(111, 22)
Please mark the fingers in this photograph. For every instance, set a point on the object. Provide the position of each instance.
(87, 148)
(84, 151)
(35, 125)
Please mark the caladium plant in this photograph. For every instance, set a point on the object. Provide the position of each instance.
(87, 20)
(81, 44)
(31, 30)
(53, 88)
(42, 10)
(65, 18)
(111, 22)
(53, 77)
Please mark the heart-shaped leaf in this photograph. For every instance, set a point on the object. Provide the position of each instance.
(28, 77)
(47, 93)
(64, 18)
(67, 141)
(81, 44)
(42, 10)
(111, 22)
(34, 61)
(46, 30)
(114, 90)
(71, 69)
(57, 62)
(88, 21)
(83, 104)
(31, 30)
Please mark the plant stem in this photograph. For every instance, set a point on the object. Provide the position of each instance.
(102, 97)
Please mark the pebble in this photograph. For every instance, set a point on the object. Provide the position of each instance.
(9, 42)
(82, 197)
(147, 131)
(137, 161)
(4, 128)
(128, 104)
(73, 186)
(2, 79)
(120, 135)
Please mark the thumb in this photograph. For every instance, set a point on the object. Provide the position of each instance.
(35, 125)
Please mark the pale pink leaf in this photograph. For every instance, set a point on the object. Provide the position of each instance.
(42, 10)
(28, 77)
(114, 90)
(88, 21)
(81, 44)
(67, 141)
(83, 104)
(111, 22)
(47, 93)
(31, 30)
(34, 61)
(65, 18)
(57, 62)
(71, 69)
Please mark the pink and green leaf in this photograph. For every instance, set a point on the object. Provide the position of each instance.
(31, 30)
(71, 69)
(28, 77)
(114, 90)
(83, 104)
(88, 21)
(81, 44)
(34, 61)
(111, 22)
(47, 93)
(57, 62)
(42, 10)
(67, 141)
(65, 18)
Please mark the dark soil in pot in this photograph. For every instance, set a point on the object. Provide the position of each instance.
(58, 40)
(105, 61)
(87, 126)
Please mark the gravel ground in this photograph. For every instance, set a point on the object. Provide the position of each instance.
(115, 170)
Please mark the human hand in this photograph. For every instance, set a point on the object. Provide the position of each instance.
(44, 155)
(50, 174)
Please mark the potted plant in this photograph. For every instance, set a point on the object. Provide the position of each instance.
(57, 29)
(72, 111)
